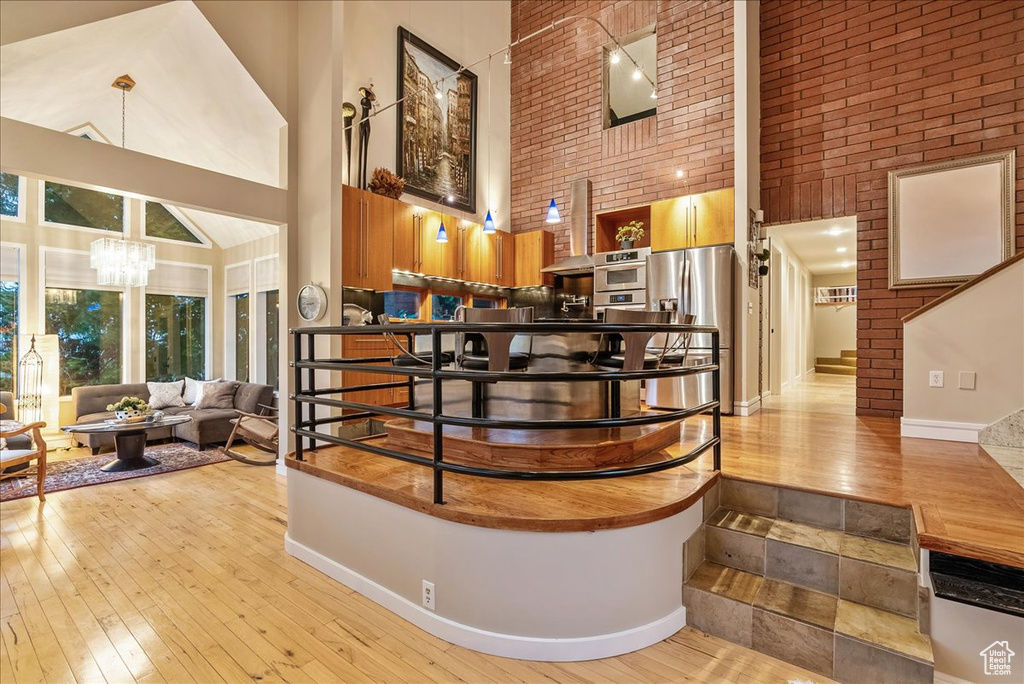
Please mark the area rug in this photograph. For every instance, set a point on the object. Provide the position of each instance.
(84, 472)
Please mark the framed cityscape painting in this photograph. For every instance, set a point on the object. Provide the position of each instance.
(436, 151)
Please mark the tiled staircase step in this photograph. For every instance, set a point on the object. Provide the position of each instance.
(808, 536)
(834, 370)
(741, 522)
(894, 633)
(885, 553)
(724, 581)
(797, 603)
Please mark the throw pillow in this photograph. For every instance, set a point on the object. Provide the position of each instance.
(217, 395)
(165, 394)
(194, 390)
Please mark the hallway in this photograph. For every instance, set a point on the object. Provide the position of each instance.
(818, 393)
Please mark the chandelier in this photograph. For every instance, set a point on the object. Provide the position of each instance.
(121, 262)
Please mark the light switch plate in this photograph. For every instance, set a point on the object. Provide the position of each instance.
(936, 378)
(968, 380)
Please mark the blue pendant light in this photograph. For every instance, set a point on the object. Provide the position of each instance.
(442, 234)
(553, 216)
(488, 224)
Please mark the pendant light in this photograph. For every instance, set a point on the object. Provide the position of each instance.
(553, 216)
(489, 223)
(442, 234)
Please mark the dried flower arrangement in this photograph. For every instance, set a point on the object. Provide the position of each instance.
(386, 183)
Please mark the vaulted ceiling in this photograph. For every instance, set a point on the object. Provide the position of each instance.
(194, 102)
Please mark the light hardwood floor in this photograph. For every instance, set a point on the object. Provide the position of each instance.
(183, 578)
(818, 393)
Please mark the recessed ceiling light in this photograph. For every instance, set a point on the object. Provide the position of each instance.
(836, 230)
(841, 250)
(846, 264)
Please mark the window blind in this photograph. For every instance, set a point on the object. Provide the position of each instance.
(266, 274)
(71, 271)
(236, 279)
(10, 264)
(179, 279)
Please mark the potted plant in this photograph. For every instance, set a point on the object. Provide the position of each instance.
(129, 409)
(630, 233)
(763, 257)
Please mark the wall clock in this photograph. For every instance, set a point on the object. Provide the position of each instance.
(311, 302)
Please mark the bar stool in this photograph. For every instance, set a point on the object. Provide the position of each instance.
(408, 357)
(635, 356)
(676, 352)
(490, 350)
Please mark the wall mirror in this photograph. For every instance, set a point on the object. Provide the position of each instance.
(627, 94)
(950, 221)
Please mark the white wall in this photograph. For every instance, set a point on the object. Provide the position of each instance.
(465, 31)
(835, 327)
(792, 354)
(980, 330)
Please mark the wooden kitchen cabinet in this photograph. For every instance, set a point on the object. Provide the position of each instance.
(367, 239)
(533, 251)
(713, 214)
(670, 224)
(407, 253)
(504, 259)
(693, 221)
(438, 258)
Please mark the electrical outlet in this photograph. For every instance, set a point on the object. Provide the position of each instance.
(428, 595)
(968, 379)
(936, 378)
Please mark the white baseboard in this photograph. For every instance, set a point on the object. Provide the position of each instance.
(746, 408)
(940, 429)
(504, 645)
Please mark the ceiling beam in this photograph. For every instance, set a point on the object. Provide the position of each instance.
(24, 19)
(30, 150)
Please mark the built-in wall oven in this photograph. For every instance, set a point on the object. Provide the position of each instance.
(620, 279)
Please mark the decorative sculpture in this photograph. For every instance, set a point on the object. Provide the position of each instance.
(348, 112)
(368, 99)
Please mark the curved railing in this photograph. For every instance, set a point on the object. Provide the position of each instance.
(308, 395)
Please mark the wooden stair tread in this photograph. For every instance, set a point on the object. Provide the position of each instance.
(836, 361)
(798, 603)
(890, 631)
(721, 580)
(538, 449)
(807, 536)
(835, 370)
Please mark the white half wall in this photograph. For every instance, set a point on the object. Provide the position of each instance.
(528, 595)
(979, 331)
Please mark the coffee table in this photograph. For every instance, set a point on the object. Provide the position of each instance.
(129, 440)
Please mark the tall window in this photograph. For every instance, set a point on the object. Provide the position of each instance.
(8, 333)
(88, 326)
(239, 305)
(8, 194)
(160, 223)
(271, 322)
(175, 337)
(85, 208)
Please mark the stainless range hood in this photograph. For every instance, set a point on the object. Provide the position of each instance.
(579, 261)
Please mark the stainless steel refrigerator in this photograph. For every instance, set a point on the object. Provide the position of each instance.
(698, 281)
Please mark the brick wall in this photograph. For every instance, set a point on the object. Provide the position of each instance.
(557, 124)
(852, 90)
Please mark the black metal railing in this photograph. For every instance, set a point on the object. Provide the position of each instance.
(307, 395)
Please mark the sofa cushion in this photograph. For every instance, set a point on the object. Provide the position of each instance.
(217, 395)
(95, 417)
(194, 390)
(250, 395)
(165, 394)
